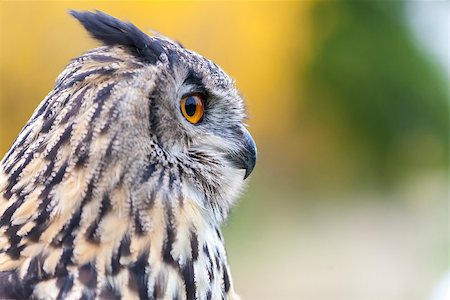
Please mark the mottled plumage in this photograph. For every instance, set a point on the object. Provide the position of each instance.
(109, 192)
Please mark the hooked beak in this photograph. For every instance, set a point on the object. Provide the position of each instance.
(245, 158)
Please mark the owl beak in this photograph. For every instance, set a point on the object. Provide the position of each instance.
(245, 158)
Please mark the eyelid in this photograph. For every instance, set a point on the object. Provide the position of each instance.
(203, 94)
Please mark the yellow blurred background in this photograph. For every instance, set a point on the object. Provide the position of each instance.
(349, 109)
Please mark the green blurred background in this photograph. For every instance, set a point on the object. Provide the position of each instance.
(349, 106)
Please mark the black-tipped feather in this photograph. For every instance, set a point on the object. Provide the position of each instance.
(112, 31)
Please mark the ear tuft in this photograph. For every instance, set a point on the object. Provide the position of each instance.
(112, 31)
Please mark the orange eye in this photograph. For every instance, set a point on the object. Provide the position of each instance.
(192, 108)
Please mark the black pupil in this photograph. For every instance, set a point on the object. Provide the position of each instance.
(190, 106)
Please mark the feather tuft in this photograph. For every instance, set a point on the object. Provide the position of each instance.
(112, 31)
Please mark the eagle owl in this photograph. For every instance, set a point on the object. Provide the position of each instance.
(118, 184)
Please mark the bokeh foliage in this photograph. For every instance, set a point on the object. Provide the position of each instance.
(369, 79)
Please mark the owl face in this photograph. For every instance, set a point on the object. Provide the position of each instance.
(180, 114)
(197, 117)
(196, 111)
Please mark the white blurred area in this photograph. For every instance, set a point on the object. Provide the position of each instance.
(442, 289)
(430, 23)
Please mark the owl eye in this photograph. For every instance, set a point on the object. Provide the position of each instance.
(192, 108)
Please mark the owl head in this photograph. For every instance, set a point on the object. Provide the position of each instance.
(169, 120)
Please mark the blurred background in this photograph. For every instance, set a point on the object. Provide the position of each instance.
(349, 106)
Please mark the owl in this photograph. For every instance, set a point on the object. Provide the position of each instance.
(117, 186)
